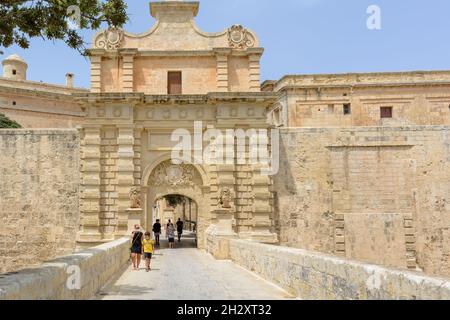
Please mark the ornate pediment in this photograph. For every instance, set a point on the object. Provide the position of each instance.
(240, 38)
(175, 30)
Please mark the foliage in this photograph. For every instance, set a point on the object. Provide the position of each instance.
(6, 122)
(174, 200)
(22, 20)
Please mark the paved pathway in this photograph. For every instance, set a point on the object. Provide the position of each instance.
(186, 273)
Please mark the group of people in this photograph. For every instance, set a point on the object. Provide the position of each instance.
(143, 244)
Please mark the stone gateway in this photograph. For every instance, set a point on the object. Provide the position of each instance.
(363, 162)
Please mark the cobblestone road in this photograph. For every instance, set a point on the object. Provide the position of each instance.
(186, 273)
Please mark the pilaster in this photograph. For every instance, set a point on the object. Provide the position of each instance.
(254, 69)
(125, 175)
(128, 69)
(96, 69)
(222, 69)
(90, 184)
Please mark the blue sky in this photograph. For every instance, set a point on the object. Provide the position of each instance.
(300, 37)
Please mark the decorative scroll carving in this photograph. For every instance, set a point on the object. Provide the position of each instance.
(135, 201)
(173, 175)
(110, 39)
(240, 38)
(225, 198)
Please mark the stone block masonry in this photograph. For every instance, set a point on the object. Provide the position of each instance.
(50, 281)
(39, 195)
(312, 276)
(374, 194)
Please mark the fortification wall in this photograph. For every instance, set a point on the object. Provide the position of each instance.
(374, 194)
(39, 195)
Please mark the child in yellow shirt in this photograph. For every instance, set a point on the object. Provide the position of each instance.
(148, 248)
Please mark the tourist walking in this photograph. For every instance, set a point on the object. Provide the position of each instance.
(157, 231)
(180, 225)
(136, 247)
(170, 232)
(148, 249)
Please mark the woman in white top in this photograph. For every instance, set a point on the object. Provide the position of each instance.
(170, 233)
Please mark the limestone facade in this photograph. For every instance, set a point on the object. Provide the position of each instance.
(131, 115)
(348, 100)
(35, 104)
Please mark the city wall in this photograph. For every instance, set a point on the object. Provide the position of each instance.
(375, 194)
(39, 195)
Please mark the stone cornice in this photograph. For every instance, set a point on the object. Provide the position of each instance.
(177, 53)
(37, 93)
(38, 86)
(364, 85)
(174, 5)
(346, 80)
(213, 97)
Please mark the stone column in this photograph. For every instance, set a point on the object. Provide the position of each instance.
(96, 69)
(125, 176)
(90, 184)
(222, 69)
(128, 69)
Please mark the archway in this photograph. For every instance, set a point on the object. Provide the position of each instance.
(165, 179)
(174, 208)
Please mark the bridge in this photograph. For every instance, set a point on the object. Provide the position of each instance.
(185, 273)
(244, 270)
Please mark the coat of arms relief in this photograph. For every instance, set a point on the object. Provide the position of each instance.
(173, 175)
(240, 38)
(110, 39)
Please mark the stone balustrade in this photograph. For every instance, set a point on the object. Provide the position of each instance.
(57, 279)
(311, 275)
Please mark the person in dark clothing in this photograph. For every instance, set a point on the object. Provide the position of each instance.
(136, 247)
(180, 225)
(157, 231)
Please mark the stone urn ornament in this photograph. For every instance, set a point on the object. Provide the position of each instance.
(135, 201)
(225, 198)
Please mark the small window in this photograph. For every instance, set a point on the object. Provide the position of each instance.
(174, 82)
(14, 72)
(347, 109)
(386, 112)
(14, 103)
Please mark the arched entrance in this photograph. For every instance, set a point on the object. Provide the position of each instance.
(175, 207)
(163, 179)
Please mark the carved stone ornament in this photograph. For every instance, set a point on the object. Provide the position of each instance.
(110, 39)
(173, 175)
(225, 198)
(240, 38)
(135, 201)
